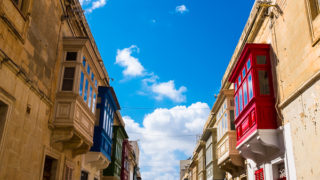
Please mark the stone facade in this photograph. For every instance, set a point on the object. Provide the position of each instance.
(292, 29)
(42, 127)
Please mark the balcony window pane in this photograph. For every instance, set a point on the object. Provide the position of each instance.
(263, 82)
(248, 64)
(84, 62)
(94, 102)
(245, 94)
(235, 86)
(88, 70)
(225, 122)
(250, 86)
(85, 97)
(240, 101)
(90, 97)
(81, 83)
(261, 60)
(96, 83)
(92, 77)
(239, 80)
(232, 125)
(243, 73)
(71, 56)
(68, 76)
(236, 105)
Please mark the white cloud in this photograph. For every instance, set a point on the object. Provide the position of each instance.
(165, 133)
(94, 5)
(131, 64)
(161, 90)
(151, 84)
(181, 9)
(168, 89)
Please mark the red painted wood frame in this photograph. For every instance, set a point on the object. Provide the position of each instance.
(259, 174)
(125, 160)
(254, 105)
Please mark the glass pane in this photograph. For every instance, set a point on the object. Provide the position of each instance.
(96, 83)
(92, 77)
(88, 69)
(81, 83)
(264, 82)
(243, 73)
(245, 95)
(232, 125)
(239, 80)
(86, 91)
(225, 122)
(235, 86)
(240, 101)
(94, 102)
(250, 86)
(84, 62)
(248, 64)
(236, 105)
(68, 76)
(90, 97)
(261, 60)
(71, 56)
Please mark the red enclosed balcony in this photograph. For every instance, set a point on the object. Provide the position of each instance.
(256, 120)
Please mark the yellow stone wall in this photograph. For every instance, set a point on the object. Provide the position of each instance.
(32, 41)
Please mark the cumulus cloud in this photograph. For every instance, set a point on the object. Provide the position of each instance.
(181, 9)
(161, 90)
(166, 133)
(91, 5)
(168, 89)
(131, 64)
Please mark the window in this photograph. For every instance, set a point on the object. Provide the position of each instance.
(263, 82)
(87, 79)
(235, 86)
(68, 171)
(239, 80)
(250, 86)
(240, 100)
(84, 175)
(3, 115)
(243, 73)
(68, 77)
(94, 102)
(261, 60)
(236, 105)
(21, 4)
(245, 94)
(90, 97)
(86, 91)
(248, 64)
(71, 56)
(81, 83)
(259, 174)
(232, 125)
(50, 168)
(314, 8)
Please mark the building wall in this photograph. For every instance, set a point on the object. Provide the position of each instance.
(297, 65)
(30, 65)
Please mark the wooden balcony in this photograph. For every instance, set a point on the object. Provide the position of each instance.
(73, 124)
(228, 156)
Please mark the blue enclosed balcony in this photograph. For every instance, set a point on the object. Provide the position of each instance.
(100, 153)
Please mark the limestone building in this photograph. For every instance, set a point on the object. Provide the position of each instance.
(50, 74)
(274, 80)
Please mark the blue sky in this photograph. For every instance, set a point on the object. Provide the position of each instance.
(167, 59)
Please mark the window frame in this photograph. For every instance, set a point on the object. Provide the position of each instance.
(313, 20)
